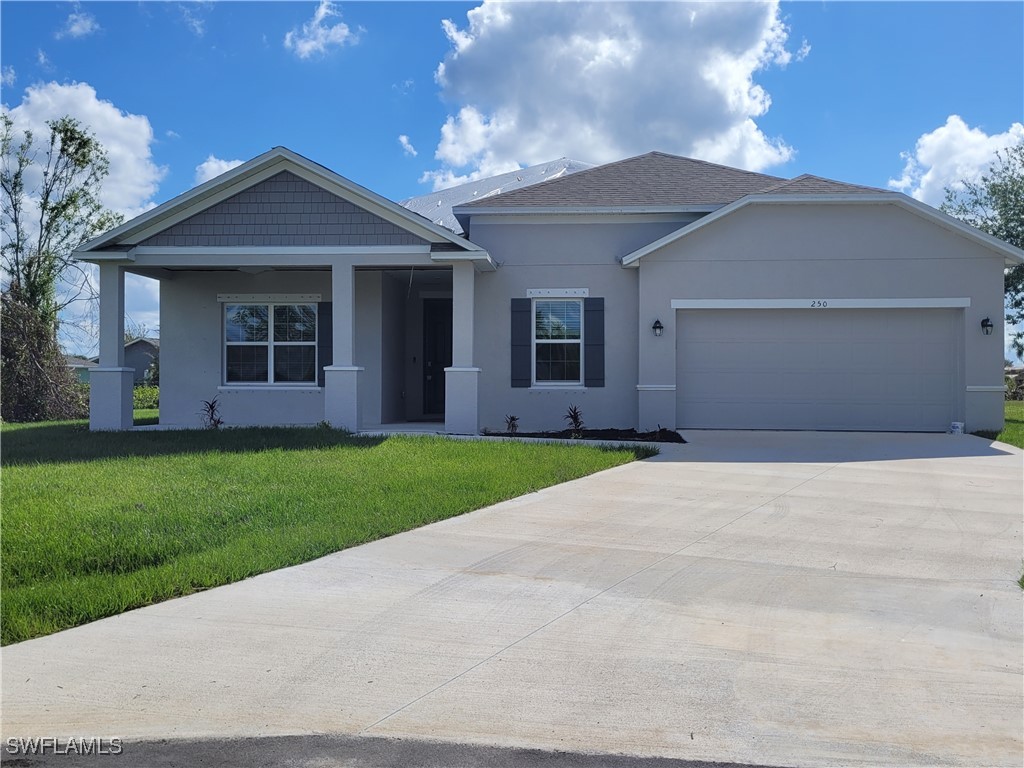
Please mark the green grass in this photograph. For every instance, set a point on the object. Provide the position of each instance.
(98, 523)
(1013, 430)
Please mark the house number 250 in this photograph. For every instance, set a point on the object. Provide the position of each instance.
(819, 304)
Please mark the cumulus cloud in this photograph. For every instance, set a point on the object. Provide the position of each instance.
(78, 24)
(407, 146)
(952, 153)
(43, 60)
(8, 76)
(601, 81)
(212, 167)
(318, 35)
(134, 177)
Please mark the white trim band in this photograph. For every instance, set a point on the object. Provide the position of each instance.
(270, 298)
(821, 303)
(994, 388)
(461, 369)
(269, 388)
(557, 293)
(656, 387)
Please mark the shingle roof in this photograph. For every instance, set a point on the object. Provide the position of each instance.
(816, 185)
(653, 180)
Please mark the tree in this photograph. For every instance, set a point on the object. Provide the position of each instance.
(49, 205)
(995, 204)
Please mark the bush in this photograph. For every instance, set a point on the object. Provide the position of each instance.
(35, 382)
(146, 396)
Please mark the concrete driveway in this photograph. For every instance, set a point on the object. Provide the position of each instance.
(780, 598)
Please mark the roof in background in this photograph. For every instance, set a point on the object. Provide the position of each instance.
(74, 361)
(654, 180)
(816, 185)
(437, 206)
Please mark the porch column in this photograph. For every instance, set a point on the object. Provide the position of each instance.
(461, 406)
(111, 383)
(341, 378)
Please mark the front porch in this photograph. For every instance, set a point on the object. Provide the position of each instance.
(293, 296)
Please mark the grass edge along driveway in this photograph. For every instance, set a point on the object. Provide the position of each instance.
(95, 524)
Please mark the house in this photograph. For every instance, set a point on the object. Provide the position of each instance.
(657, 290)
(80, 367)
(139, 355)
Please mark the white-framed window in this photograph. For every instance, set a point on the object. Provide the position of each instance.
(270, 343)
(557, 341)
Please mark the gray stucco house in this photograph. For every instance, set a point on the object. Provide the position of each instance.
(656, 290)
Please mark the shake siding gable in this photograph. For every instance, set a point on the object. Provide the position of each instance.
(284, 210)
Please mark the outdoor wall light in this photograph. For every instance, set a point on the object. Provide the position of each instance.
(986, 327)
(658, 328)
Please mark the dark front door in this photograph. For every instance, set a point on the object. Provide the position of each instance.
(437, 352)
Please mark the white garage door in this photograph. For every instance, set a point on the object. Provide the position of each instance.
(829, 369)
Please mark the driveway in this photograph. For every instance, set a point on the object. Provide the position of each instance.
(779, 598)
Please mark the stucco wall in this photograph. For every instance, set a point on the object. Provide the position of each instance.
(548, 254)
(191, 350)
(831, 251)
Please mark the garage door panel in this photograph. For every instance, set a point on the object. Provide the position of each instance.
(809, 369)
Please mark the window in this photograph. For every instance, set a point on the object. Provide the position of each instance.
(270, 343)
(557, 341)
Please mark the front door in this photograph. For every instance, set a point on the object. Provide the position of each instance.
(437, 353)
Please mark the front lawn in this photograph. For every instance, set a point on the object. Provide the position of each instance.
(1013, 429)
(98, 523)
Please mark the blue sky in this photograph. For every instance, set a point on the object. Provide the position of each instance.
(910, 96)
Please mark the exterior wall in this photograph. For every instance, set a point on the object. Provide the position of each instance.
(393, 352)
(284, 210)
(552, 254)
(192, 351)
(828, 252)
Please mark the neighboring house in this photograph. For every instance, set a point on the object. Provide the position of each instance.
(80, 366)
(651, 291)
(139, 355)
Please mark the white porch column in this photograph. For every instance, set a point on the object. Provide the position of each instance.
(111, 383)
(461, 405)
(341, 378)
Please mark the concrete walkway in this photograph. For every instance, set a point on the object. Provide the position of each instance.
(777, 598)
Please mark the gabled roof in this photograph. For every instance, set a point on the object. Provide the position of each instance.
(278, 159)
(656, 181)
(437, 206)
(858, 196)
(75, 361)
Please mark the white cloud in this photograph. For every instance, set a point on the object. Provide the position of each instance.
(317, 35)
(78, 24)
(601, 81)
(8, 76)
(804, 52)
(134, 177)
(43, 60)
(407, 146)
(192, 15)
(212, 167)
(952, 153)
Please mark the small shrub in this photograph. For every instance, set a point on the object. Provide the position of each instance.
(146, 397)
(575, 418)
(210, 414)
(511, 424)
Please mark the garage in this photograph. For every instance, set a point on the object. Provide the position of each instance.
(830, 367)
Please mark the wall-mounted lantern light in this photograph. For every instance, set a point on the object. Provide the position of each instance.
(986, 327)
(658, 328)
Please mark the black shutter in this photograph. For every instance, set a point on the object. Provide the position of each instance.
(593, 342)
(324, 339)
(522, 342)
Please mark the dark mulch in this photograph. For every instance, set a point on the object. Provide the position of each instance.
(624, 435)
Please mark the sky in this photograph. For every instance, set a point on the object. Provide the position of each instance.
(408, 97)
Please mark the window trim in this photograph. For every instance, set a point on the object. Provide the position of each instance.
(557, 295)
(270, 303)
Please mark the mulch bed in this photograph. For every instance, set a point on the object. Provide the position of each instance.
(624, 435)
